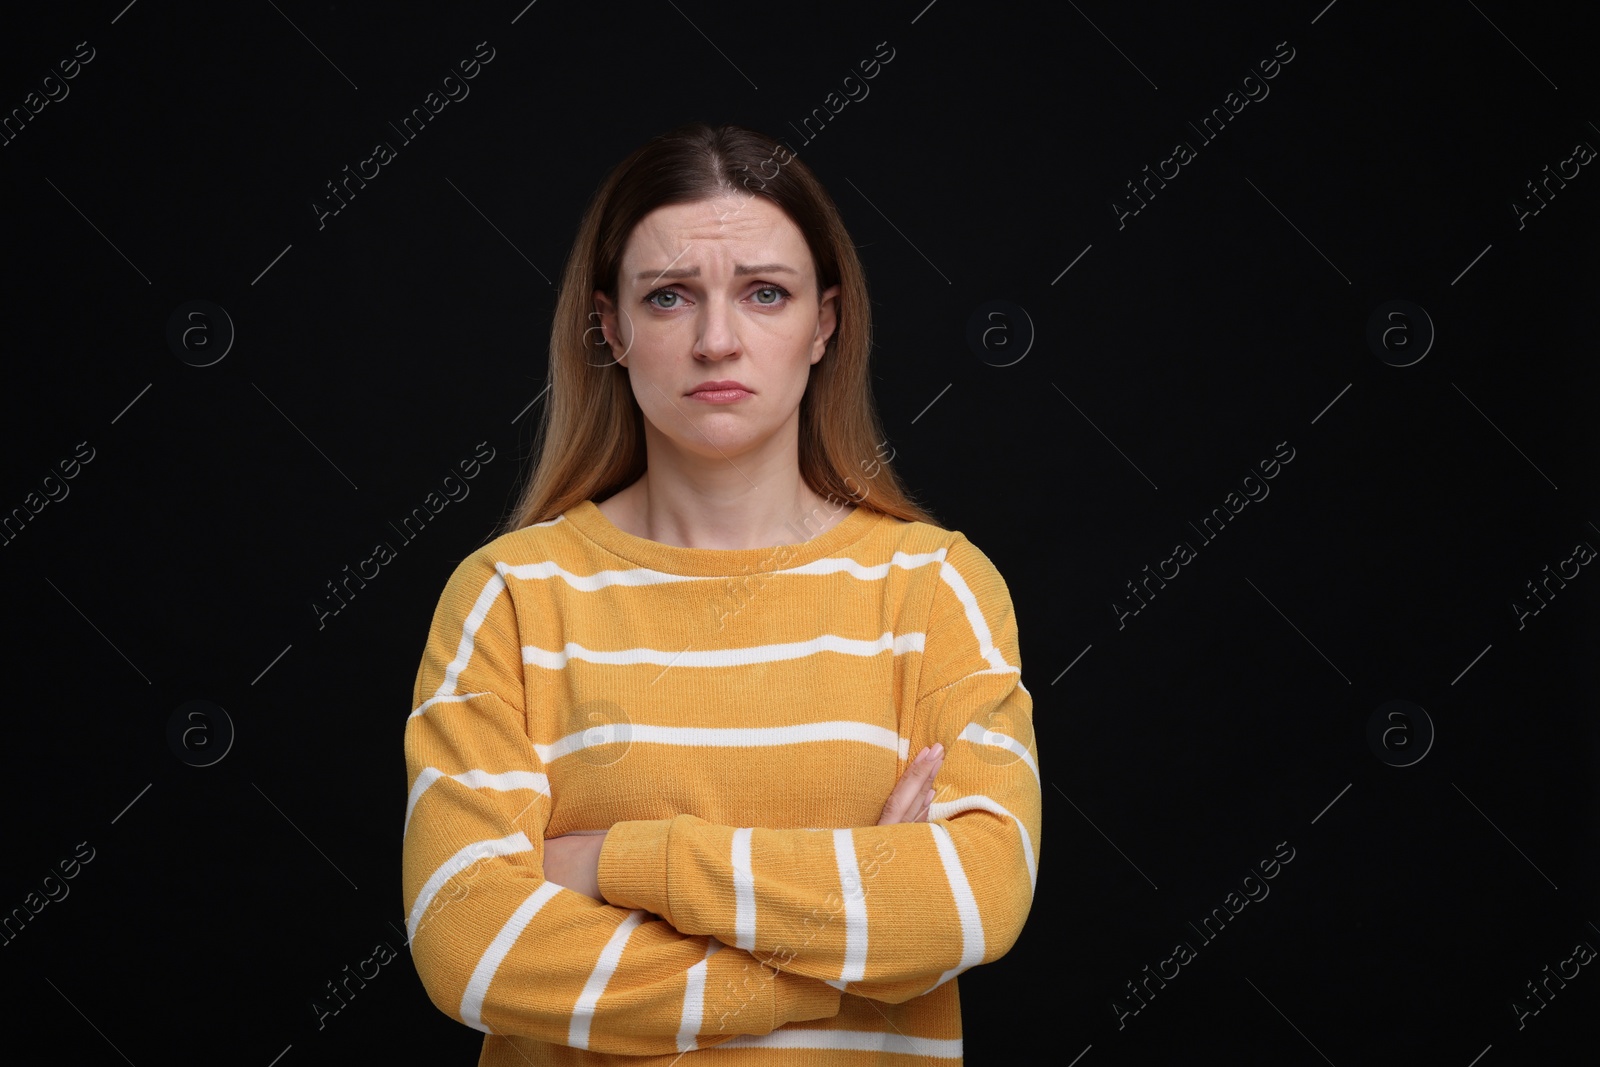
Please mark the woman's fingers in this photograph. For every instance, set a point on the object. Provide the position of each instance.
(903, 795)
(924, 804)
(907, 801)
(573, 861)
(916, 781)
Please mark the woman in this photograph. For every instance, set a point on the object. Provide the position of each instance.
(657, 716)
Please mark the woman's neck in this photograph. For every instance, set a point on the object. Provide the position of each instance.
(682, 516)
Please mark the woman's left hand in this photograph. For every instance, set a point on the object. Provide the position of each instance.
(572, 861)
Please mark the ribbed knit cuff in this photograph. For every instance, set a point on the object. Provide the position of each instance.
(797, 998)
(633, 865)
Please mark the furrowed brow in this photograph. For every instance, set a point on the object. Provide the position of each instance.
(694, 272)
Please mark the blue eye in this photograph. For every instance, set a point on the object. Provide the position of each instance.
(778, 294)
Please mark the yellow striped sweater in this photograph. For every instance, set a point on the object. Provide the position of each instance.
(735, 719)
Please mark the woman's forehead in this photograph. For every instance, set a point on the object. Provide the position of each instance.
(729, 228)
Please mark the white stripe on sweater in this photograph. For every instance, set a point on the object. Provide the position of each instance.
(604, 968)
(852, 1040)
(966, 904)
(489, 962)
(642, 576)
(980, 735)
(943, 809)
(589, 583)
(556, 659)
(469, 636)
(980, 627)
(744, 891)
(447, 698)
(476, 779)
(694, 1000)
(469, 630)
(478, 850)
(855, 907)
(725, 736)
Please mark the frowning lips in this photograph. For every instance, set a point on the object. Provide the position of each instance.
(730, 384)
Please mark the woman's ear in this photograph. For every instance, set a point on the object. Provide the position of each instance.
(827, 321)
(605, 313)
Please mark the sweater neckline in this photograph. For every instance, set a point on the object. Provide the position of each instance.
(590, 521)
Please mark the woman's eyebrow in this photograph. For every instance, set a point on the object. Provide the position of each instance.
(694, 272)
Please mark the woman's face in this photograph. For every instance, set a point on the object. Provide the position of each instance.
(713, 291)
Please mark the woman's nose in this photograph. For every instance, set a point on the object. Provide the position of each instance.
(718, 337)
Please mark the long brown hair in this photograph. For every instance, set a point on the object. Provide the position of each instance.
(591, 443)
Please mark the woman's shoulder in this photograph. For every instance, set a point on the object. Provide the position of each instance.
(537, 542)
(914, 535)
(963, 564)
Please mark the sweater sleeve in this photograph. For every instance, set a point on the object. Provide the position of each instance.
(497, 946)
(884, 912)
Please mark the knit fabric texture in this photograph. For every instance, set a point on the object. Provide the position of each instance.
(734, 721)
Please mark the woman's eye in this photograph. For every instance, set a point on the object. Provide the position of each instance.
(766, 296)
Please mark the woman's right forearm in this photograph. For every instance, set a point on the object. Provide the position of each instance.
(623, 981)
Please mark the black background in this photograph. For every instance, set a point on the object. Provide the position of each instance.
(1179, 746)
